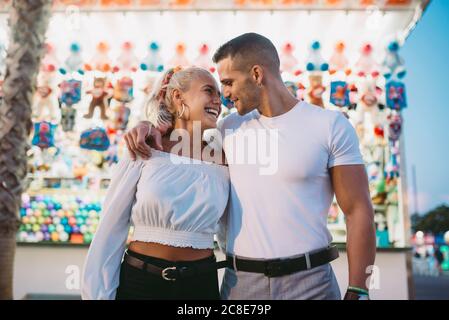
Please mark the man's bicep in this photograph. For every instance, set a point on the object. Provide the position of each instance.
(350, 185)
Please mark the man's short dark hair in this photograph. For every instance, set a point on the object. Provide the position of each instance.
(248, 50)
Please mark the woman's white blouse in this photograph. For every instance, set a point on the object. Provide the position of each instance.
(168, 200)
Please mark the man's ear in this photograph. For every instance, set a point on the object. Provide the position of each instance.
(258, 74)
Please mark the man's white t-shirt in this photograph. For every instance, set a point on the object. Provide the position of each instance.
(279, 208)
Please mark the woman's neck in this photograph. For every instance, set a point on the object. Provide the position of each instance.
(188, 139)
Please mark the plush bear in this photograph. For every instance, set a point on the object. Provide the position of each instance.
(179, 59)
(152, 61)
(366, 65)
(70, 94)
(74, 62)
(289, 63)
(338, 62)
(203, 60)
(100, 61)
(393, 64)
(100, 95)
(315, 61)
(316, 90)
(45, 102)
(127, 62)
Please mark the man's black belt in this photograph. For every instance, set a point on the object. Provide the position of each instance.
(282, 267)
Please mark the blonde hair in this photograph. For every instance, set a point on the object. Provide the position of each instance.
(159, 109)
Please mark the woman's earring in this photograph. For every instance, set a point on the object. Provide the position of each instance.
(182, 112)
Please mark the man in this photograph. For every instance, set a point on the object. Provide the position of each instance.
(278, 244)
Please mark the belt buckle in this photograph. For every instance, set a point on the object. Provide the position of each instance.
(273, 269)
(165, 274)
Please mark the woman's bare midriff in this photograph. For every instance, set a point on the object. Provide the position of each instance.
(168, 252)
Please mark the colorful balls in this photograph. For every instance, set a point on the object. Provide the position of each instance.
(64, 221)
(68, 229)
(25, 220)
(33, 220)
(29, 212)
(87, 238)
(44, 228)
(39, 236)
(22, 236)
(63, 236)
(28, 227)
(47, 236)
(36, 228)
(72, 221)
(40, 220)
(51, 228)
(76, 229)
(91, 229)
(56, 220)
(59, 228)
(83, 229)
(54, 236)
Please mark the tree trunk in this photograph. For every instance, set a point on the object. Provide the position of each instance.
(28, 23)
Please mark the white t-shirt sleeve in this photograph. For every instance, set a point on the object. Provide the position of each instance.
(344, 148)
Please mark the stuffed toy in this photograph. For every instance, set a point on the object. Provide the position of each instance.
(123, 90)
(153, 60)
(366, 65)
(94, 139)
(393, 64)
(70, 94)
(127, 61)
(203, 60)
(316, 90)
(74, 62)
(45, 102)
(339, 95)
(44, 135)
(100, 61)
(338, 62)
(369, 101)
(395, 95)
(49, 62)
(179, 59)
(315, 61)
(289, 63)
(123, 93)
(100, 95)
(339, 70)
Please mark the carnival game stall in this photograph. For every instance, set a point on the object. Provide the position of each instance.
(102, 58)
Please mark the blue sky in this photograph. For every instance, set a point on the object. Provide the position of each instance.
(426, 121)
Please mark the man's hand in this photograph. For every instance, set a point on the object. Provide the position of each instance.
(136, 140)
(354, 296)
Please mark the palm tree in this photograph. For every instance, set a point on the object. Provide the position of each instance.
(28, 23)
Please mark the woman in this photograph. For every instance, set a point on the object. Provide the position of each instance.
(174, 206)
